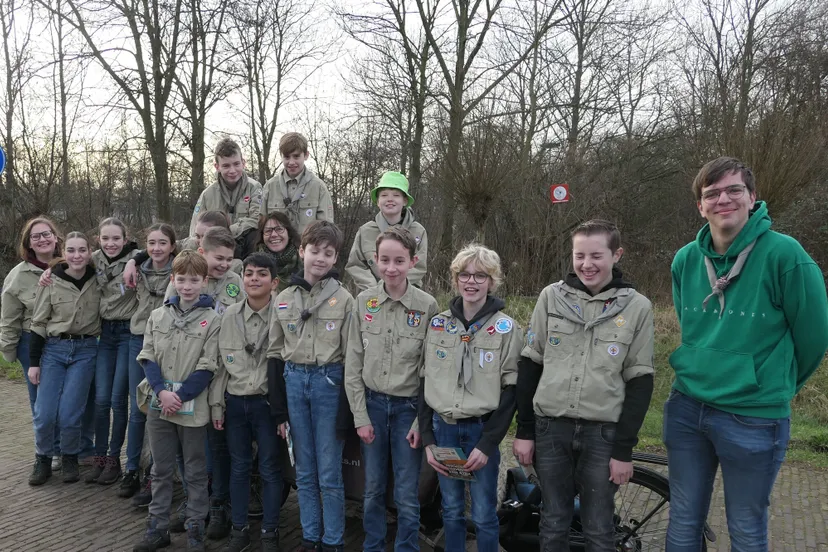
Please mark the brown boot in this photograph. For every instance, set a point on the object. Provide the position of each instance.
(111, 472)
(98, 465)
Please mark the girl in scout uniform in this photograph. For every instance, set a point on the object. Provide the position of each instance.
(468, 387)
(586, 377)
(65, 325)
(153, 278)
(278, 239)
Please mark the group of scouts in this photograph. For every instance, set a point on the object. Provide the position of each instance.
(242, 333)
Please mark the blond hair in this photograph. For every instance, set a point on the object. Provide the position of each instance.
(486, 259)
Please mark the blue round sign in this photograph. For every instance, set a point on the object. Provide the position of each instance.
(2, 159)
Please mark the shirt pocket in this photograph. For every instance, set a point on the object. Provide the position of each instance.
(560, 339)
(611, 346)
(329, 322)
(486, 359)
(410, 344)
(439, 356)
(63, 307)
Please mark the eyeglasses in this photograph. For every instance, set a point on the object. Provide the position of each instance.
(45, 235)
(274, 230)
(735, 191)
(479, 277)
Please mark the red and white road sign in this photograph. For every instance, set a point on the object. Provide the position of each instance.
(559, 193)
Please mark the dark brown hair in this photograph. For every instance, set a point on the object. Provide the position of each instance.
(214, 218)
(399, 234)
(227, 147)
(112, 221)
(24, 248)
(597, 226)
(323, 232)
(717, 169)
(167, 230)
(217, 237)
(281, 218)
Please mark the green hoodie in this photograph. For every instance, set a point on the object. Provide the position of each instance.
(773, 332)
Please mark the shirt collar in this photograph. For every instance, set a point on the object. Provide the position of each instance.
(264, 314)
(407, 299)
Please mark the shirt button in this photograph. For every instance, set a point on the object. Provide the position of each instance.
(389, 331)
(459, 385)
(576, 379)
(385, 373)
(457, 405)
(582, 353)
(571, 406)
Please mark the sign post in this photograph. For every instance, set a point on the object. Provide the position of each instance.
(559, 193)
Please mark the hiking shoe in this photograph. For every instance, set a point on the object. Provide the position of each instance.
(239, 540)
(270, 541)
(178, 520)
(144, 496)
(111, 472)
(71, 472)
(308, 546)
(220, 523)
(154, 538)
(129, 484)
(57, 464)
(195, 535)
(41, 471)
(98, 465)
(255, 509)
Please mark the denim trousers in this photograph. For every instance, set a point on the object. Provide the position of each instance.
(391, 418)
(750, 451)
(247, 418)
(313, 405)
(111, 387)
(465, 435)
(572, 456)
(23, 357)
(66, 371)
(137, 419)
(218, 463)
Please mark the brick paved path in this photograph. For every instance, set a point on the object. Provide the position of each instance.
(80, 517)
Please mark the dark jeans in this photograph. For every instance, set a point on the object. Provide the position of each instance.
(137, 419)
(572, 456)
(245, 419)
(391, 418)
(112, 387)
(700, 438)
(218, 463)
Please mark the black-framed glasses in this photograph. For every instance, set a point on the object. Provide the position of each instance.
(45, 235)
(274, 230)
(736, 191)
(478, 277)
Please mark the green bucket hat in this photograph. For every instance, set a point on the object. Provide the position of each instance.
(395, 180)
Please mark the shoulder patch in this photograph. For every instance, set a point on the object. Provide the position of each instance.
(503, 325)
(232, 290)
(203, 323)
(438, 324)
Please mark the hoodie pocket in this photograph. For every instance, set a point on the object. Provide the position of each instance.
(724, 378)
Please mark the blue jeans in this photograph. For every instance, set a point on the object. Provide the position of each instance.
(392, 418)
(750, 451)
(245, 419)
(66, 371)
(23, 357)
(218, 462)
(137, 419)
(573, 456)
(313, 405)
(111, 387)
(465, 435)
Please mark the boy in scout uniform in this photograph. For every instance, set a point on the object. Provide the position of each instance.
(295, 190)
(233, 192)
(586, 377)
(179, 360)
(239, 403)
(382, 367)
(308, 335)
(468, 392)
(394, 202)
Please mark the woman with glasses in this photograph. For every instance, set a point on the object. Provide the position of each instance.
(279, 239)
(467, 393)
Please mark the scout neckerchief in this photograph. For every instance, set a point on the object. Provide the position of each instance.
(112, 268)
(292, 203)
(253, 348)
(329, 288)
(231, 195)
(565, 308)
(161, 275)
(720, 284)
(463, 361)
(220, 284)
(383, 225)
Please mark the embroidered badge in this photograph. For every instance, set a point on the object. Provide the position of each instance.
(330, 326)
(309, 213)
(372, 305)
(332, 301)
(414, 318)
(491, 330)
(364, 343)
(438, 324)
(613, 350)
(203, 323)
(503, 325)
(465, 338)
(607, 304)
(619, 321)
(247, 199)
(530, 338)
(291, 327)
(554, 340)
(197, 209)
(232, 290)
(441, 354)
(489, 356)
(230, 359)
(417, 239)
(451, 327)
(282, 306)
(369, 318)
(577, 308)
(220, 308)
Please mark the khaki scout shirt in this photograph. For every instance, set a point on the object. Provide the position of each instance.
(361, 266)
(62, 308)
(586, 363)
(313, 199)
(151, 289)
(245, 215)
(495, 349)
(322, 338)
(17, 304)
(239, 371)
(119, 302)
(385, 345)
(226, 291)
(180, 352)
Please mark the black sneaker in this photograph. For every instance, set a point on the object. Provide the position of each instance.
(220, 523)
(129, 484)
(239, 540)
(111, 472)
(255, 509)
(98, 465)
(308, 546)
(154, 538)
(195, 535)
(270, 541)
(71, 473)
(41, 471)
(178, 520)
(144, 496)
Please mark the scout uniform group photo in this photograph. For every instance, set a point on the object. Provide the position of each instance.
(239, 341)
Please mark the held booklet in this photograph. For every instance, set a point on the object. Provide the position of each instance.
(453, 459)
(173, 386)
